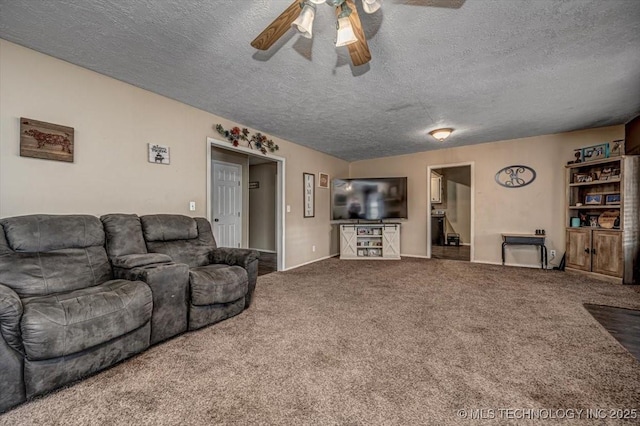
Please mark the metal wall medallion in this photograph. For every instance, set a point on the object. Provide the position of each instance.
(515, 176)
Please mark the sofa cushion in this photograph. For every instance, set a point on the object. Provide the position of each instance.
(41, 233)
(66, 323)
(129, 261)
(124, 234)
(213, 284)
(57, 271)
(168, 227)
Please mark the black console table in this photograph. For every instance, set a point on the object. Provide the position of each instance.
(526, 240)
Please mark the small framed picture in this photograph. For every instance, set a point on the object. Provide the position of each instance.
(595, 152)
(582, 177)
(323, 180)
(612, 199)
(158, 154)
(593, 199)
(616, 148)
(615, 173)
(593, 221)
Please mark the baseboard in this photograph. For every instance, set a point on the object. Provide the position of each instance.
(415, 255)
(311, 261)
(266, 251)
(518, 265)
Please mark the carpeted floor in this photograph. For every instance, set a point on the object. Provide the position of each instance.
(373, 342)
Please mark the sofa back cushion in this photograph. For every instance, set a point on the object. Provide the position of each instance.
(47, 254)
(124, 234)
(185, 239)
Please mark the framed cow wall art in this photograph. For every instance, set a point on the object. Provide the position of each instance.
(46, 140)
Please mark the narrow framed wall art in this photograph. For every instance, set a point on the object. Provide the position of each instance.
(309, 186)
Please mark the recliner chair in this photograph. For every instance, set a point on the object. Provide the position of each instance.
(62, 315)
(221, 280)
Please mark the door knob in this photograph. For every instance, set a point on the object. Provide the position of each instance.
(216, 220)
(586, 250)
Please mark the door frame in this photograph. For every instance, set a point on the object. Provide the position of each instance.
(472, 201)
(280, 191)
(209, 213)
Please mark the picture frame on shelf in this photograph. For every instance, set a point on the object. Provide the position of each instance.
(615, 173)
(582, 177)
(593, 199)
(595, 152)
(616, 148)
(593, 220)
(605, 173)
(612, 199)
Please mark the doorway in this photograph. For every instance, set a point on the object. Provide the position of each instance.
(246, 158)
(450, 230)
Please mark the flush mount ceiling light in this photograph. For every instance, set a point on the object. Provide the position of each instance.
(441, 134)
(300, 16)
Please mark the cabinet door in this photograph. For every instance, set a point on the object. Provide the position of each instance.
(348, 241)
(579, 249)
(607, 253)
(436, 188)
(391, 241)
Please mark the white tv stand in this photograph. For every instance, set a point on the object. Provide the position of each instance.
(370, 241)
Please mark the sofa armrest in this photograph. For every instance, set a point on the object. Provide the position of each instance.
(129, 261)
(10, 315)
(233, 256)
(169, 283)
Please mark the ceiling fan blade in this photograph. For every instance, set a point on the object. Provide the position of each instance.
(448, 4)
(358, 51)
(278, 27)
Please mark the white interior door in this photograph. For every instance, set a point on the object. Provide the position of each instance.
(226, 194)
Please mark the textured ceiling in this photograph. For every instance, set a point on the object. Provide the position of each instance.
(491, 69)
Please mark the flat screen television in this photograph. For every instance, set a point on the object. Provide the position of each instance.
(369, 198)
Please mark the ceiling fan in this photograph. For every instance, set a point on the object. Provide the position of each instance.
(300, 15)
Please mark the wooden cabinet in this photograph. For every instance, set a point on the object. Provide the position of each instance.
(595, 250)
(602, 219)
(370, 241)
(436, 188)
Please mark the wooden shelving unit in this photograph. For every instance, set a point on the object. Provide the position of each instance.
(602, 219)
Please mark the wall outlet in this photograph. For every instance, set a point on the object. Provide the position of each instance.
(313, 248)
(552, 253)
(192, 206)
(288, 208)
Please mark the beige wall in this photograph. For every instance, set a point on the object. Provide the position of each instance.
(262, 207)
(113, 123)
(497, 209)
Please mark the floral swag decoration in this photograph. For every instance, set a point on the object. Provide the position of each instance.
(257, 141)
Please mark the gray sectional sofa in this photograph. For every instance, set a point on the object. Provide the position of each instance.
(79, 294)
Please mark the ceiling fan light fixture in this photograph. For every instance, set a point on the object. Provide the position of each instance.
(371, 6)
(345, 34)
(304, 22)
(441, 134)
